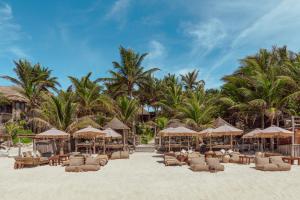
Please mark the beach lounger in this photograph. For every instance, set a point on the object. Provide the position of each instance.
(171, 161)
(273, 163)
(198, 164)
(214, 164)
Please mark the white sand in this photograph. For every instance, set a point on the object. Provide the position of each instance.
(143, 177)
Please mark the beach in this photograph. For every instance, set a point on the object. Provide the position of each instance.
(143, 176)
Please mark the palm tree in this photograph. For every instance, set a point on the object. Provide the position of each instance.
(190, 81)
(198, 110)
(60, 112)
(127, 109)
(129, 73)
(89, 97)
(32, 81)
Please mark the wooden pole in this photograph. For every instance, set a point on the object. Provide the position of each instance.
(231, 141)
(169, 143)
(76, 147)
(123, 140)
(94, 146)
(293, 136)
(210, 147)
(104, 146)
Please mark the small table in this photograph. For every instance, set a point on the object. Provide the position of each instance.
(18, 164)
(291, 160)
(54, 161)
(245, 159)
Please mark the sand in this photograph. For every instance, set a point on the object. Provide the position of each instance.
(143, 176)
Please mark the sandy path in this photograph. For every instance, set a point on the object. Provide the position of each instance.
(143, 177)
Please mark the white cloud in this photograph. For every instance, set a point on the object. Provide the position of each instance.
(10, 32)
(156, 54)
(118, 11)
(206, 35)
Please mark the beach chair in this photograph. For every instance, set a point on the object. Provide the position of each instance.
(214, 164)
(198, 164)
(171, 161)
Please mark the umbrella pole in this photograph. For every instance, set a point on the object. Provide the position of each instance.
(94, 147)
(188, 143)
(231, 141)
(210, 148)
(104, 146)
(169, 143)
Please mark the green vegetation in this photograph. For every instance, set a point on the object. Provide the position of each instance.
(263, 90)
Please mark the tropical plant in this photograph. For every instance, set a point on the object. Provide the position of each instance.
(126, 109)
(129, 73)
(190, 80)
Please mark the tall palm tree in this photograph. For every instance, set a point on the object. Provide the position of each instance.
(129, 73)
(32, 81)
(190, 81)
(88, 96)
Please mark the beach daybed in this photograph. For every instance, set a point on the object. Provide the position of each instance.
(273, 163)
(28, 159)
(171, 160)
(119, 155)
(198, 164)
(83, 164)
(214, 164)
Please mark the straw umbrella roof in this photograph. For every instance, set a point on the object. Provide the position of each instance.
(252, 134)
(53, 133)
(178, 131)
(226, 130)
(220, 122)
(116, 124)
(110, 133)
(206, 132)
(275, 131)
(89, 132)
(12, 93)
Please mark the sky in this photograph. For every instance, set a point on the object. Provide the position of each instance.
(73, 38)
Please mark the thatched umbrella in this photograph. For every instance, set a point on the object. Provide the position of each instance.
(89, 133)
(226, 130)
(110, 133)
(178, 131)
(275, 132)
(54, 134)
(252, 134)
(117, 125)
(220, 122)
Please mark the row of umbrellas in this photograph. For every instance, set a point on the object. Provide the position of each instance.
(88, 132)
(228, 130)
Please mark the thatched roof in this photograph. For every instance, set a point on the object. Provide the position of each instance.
(53, 134)
(89, 132)
(174, 123)
(206, 132)
(179, 131)
(274, 131)
(226, 130)
(252, 134)
(12, 93)
(219, 122)
(110, 133)
(116, 124)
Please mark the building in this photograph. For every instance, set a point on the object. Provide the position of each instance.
(12, 103)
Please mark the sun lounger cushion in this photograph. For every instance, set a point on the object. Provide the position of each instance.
(235, 158)
(124, 154)
(284, 166)
(76, 161)
(86, 168)
(103, 162)
(104, 157)
(270, 167)
(261, 162)
(115, 155)
(92, 161)
(226, 159)
(197, 161)
(276, 159)
(199, 168)
(73, 169)
(214, 164)
(170, 162)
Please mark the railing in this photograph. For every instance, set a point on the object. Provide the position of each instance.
(287, 149)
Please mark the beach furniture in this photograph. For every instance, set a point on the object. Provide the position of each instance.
(198, 164)
(83, 164)
(273, 163)
(214, 164)
(171, 160)
(119, 155)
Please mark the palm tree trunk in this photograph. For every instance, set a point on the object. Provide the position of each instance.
(262, 120)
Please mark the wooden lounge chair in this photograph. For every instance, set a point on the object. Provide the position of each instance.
(214, 165)
(83, 164)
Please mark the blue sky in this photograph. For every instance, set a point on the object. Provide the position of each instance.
(76, 37)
